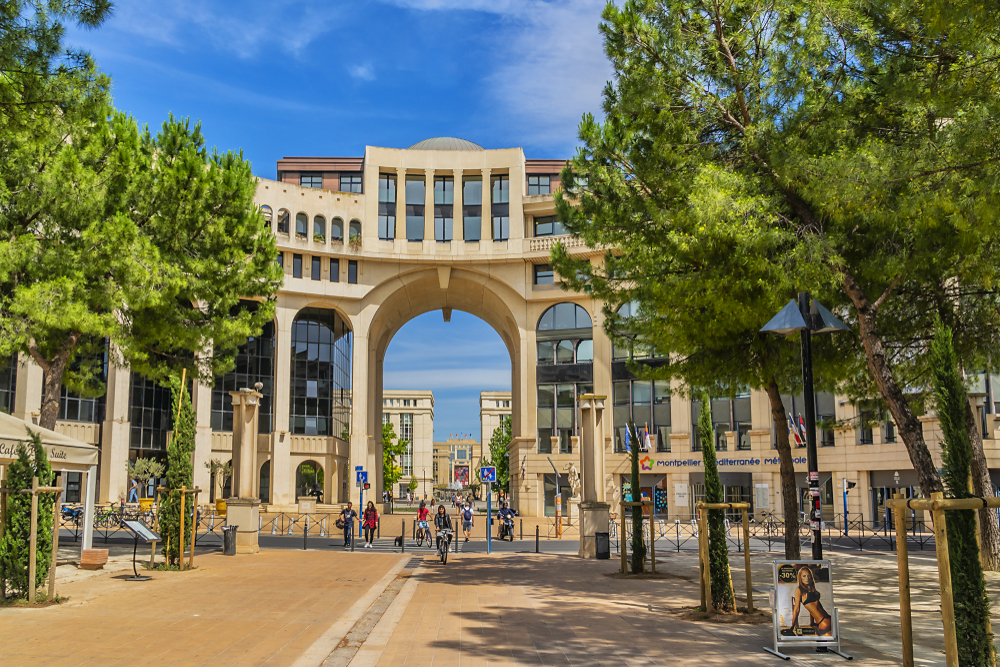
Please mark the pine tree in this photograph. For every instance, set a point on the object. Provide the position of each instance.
(972, 605)
(32, 461)
(718, 549)
(179, 474)
(638, 544)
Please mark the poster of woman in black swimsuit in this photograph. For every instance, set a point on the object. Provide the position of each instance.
(804, 594)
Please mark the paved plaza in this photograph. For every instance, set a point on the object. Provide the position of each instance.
(338, 609)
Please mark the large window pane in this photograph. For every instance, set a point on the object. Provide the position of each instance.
(585, 352)
(415, 208)
(472, 207)
(545, 354)
(386, 207)
(444, 192)
(500, 207)
(320, 374)
(564, 352)
(254, 363)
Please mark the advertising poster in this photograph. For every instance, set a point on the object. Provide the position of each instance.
(804, 600)
(462, 475)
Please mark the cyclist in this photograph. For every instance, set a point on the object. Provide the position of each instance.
(423, 531)
(442, 524)
(506, 516)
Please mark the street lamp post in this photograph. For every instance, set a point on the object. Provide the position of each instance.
(806, 318)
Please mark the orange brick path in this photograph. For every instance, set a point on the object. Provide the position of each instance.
(244, 610)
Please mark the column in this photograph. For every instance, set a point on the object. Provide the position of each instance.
(88, 508)
(243, 510)
(594, 512)
(487, 224)
(281, 439)
(359, 409)
(201, 396)
(115, 435)
(400, 209)
(428, 211)
(28, 401)
(458, 220)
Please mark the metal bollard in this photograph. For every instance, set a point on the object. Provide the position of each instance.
(536, 539)
(402, 537)
(291, 525)
(305, 536)
(322, 528)
(522, 528)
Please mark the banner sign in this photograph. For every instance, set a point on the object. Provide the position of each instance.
(802, 606)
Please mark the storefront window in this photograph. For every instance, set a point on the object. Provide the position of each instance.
(646, 404)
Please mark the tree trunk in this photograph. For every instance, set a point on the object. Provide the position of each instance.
(54, 369)
(989, 530)
(906, 421)
(789, 492)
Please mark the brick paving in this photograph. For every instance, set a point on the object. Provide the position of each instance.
(266, 609)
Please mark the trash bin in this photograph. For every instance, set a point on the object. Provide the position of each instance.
(229, 540)
(602, 545)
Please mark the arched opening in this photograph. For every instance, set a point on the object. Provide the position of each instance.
(264, 488)
(309, 480)
(319, 229)
(268, 216)
(565, 355)
(283, 219)
(337, 230)
(301, 225)
(355, 231)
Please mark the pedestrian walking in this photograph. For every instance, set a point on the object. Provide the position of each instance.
(468, 520)
(133, 492)
(346, 521)
(369, 521)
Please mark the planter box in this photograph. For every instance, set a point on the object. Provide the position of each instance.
(220, 507)
(93, 559)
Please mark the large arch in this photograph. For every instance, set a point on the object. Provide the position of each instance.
(412, 294)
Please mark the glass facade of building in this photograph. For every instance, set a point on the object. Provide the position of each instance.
(565, 355)
(8, 383)
(254, 363)
(150, 413)
(320, 374)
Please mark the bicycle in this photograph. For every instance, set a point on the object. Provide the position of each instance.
(444, 544)
(422, 534)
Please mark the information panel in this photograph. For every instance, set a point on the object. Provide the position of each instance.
(140, 529)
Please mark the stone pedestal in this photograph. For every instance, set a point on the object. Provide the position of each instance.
(574, 508)
(245, 513)
(594, 518)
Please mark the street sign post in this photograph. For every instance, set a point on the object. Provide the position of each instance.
(488, 474)
(362, 485)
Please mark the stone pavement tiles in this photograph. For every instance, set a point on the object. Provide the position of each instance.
(265, 609)
(557, 610)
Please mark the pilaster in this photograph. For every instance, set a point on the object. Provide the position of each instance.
(28, 400)
(201, 395)
(281, 474)
(115, 435)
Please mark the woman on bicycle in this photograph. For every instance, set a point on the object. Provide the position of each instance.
(423, 530)
(369, 521)
(442, 522)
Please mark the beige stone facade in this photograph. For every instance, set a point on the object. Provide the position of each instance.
(493, 406)
(459, 460)
(367, 244)
(411, 414)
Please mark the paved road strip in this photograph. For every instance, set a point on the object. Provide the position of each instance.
(328, 641)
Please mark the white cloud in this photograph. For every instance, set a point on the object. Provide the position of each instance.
(364, 72)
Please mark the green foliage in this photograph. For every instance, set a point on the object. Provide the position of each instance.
(219, 471)
(638, 543)
(499, 442)
(718, 549)
(412, 486)
(180, 473)
(143, 470)
(32, 461)
(972, 604)
(110, 232)
(392, 471)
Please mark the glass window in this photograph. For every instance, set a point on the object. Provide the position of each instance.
(281, 259)
(415, 193)
(472, 207)
(564, 352)
(337, 230)
(890, 430)
(585, 352)
(546, 409)
(539, 184)
(319, 229)
(283, 218)
(320, 401)
(150, 414)
(545, 353)
(867, 417)
(352, 271)
(386, 207)
(311, 180)
(500, 207)
(316, 272)
(350, 182)
(549, 226)
(301, 225)
(8, 383)
(355, 231)
(334, 270)
(76, 408)
(544, 275)
(406, 435)
(444, 199)
(564, 316)
(296, 266)
(254, 363)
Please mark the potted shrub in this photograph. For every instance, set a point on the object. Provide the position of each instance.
(142, 470)
(355, 242)
(221, 473)
(319, 238)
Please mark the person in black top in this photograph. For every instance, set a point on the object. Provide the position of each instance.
(506, 517)
(348, 515)
(441, 522)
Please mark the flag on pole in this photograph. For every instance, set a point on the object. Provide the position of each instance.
(802, 428)
(649, 444)
(793, 431)
(628, 446)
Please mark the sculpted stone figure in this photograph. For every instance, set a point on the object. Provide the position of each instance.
(574, 479)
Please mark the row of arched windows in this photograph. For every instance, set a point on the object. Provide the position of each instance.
(319, 230)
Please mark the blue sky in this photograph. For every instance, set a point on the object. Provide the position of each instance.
(277, 78)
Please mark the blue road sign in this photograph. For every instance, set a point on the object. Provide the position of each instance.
(362, 477)
(488, 474)
(359, 467)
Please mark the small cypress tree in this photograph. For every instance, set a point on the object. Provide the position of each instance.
(638, 544)
(718, 550)
(31, 461)
(972, 605)
(179, 474)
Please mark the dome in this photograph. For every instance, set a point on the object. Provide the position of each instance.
(445, 144)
